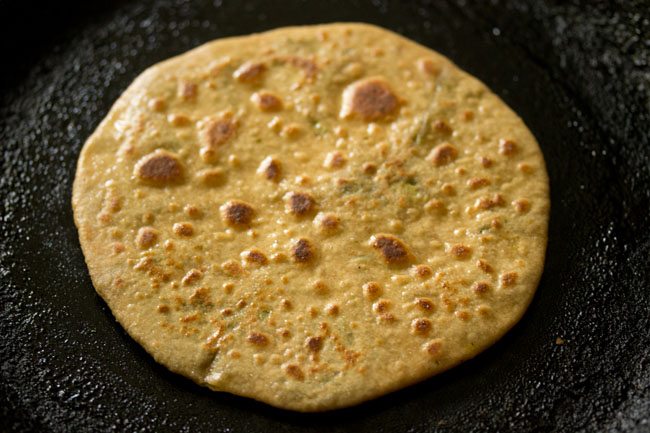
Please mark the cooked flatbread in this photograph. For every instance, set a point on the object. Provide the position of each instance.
(313, 216)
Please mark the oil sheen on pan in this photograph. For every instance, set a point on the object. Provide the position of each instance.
(313, 216)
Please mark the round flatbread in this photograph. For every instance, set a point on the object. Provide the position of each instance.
(312, 216)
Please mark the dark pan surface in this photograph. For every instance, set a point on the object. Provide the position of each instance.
(577, 74)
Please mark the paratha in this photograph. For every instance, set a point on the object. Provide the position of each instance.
(312, 216)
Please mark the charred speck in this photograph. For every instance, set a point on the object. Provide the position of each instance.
(392, 249)
(302, 251)
(314, 344)
(299, 203)
(237, 213)
(159, 167)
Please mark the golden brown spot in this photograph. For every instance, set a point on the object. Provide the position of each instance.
(370, 99)
(303, 179)
(157, 104)
(424, 304)
(507, 147)
(187, 90)
(468, 115)
(320, 287)
(286, 304)
(270, 169)
(334, 160)
(449, 304)
(148, 218)
(309, 67)
(226, 312)
(381, 306)
(163, 308)
(485, 161)
(192, 211)
(478, 182)
(422, 271)
(232, 268)
(178, 120)
(237, 213)
(509, 279)
(350, 357)
(241, 304)
(211, 176)
(183, 229)
(201, 296)
(302, 251)
(146, 237)
(159, 167)
(299, 203)
(521, 205)
(481, 288)
(278, 258)
(369, 168)
(214, 132)
(144, 264)
(448, 189)
(267, 101)
(294, 371)
(421, 326)
(486, 203)
(460, 251)
(372, 290)
(433, 347)
(386, 318)
(525, 167)
(292, 131)
(118, 247)
(193, 317)
(258, 339)
(434, 205)
(443, 154)
(173, 206)
(442, 127)
(249, 72)
(327, 222)
(484, 266)
(254, 256)
(314, 344)
(313, 311)
(332, 309)
(208, 154)
(428, 67)
(392, 249)
(192, 276)
(463, 315)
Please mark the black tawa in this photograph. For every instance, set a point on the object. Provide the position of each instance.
(578, 73)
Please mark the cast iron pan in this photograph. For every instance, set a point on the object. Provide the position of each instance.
(578, 74)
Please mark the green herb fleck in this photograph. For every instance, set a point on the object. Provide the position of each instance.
(349, 188)
(263, 314)
(422, 129)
